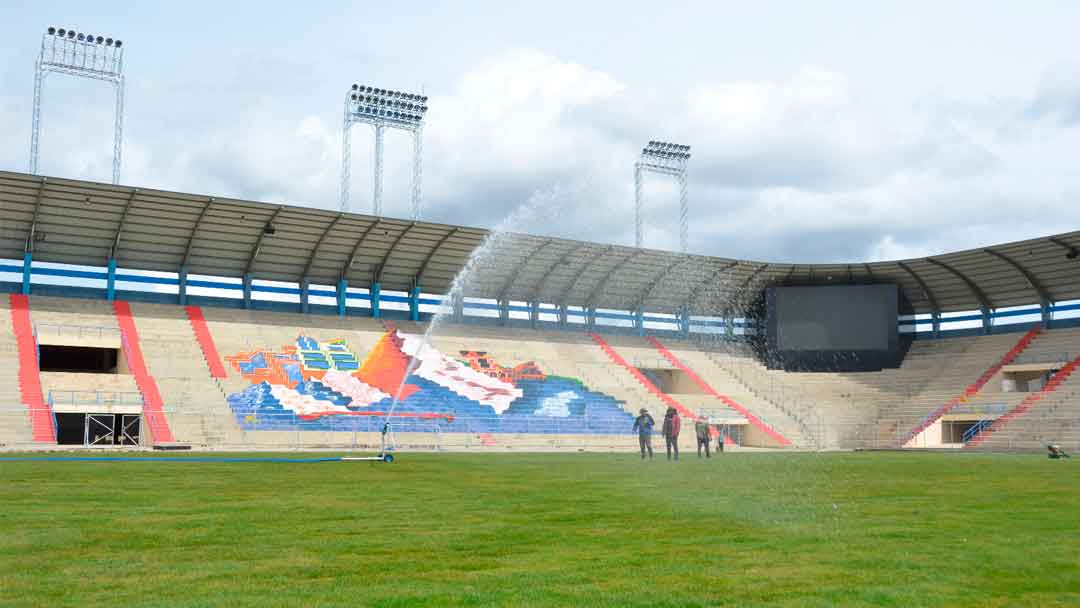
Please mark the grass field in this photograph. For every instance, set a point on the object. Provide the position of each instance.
(545, 530)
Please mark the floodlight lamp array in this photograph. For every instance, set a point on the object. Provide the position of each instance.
(71, 34)
(377, 104)
(666, 150)
(90, 54)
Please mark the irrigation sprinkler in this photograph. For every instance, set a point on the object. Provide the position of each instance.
(384, 454)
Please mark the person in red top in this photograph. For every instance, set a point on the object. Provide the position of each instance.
(672, 425)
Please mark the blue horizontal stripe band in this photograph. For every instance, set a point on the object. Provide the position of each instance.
(272, 289)
(75, 274)
(158, 459)
(215, 285)
(136, 278)
(1016, 313)
(961, 318)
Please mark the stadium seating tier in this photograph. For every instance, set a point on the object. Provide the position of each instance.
(242, 378)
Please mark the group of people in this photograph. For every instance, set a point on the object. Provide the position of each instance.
(644, 423)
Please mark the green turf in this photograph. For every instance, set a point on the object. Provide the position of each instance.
(882, 529)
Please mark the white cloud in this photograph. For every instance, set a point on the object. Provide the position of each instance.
(806, 169)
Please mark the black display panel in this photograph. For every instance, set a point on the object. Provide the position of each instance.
(833, 327)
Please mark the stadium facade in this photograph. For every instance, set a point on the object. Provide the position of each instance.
(145, 317)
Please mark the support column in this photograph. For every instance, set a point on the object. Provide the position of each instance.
(504, 312)
(563, 316)
(110, 281)
(27, 261)
(684, 321)
(305, 295)
(590, 317)
(247, 290)
(377, 178)
(1046, 310)
(639, 232)
(639, 320)
(534, 314)
(181, 280)
(935, 320)
(342, 294)
(375, 300)
(987, 321)
(729, 327)
(414, 304)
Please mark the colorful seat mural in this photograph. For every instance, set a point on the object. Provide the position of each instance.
(325, 387)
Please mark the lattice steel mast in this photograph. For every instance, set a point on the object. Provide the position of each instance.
(383, 109)
(666, 159)
(66, 51)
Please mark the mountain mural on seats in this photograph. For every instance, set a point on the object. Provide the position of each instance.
(325, 387)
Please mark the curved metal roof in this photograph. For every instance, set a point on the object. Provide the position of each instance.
(80, 222)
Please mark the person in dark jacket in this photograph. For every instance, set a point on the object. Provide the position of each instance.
(643, 425)
(672, 425)
(701, 430)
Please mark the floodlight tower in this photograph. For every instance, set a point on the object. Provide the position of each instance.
(66, 51)
(666, 159)
(383, 109)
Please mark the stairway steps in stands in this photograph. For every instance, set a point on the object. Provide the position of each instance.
(153, 405)
(973, 389)
(206, 341)
(41, 418)
(641, 378)
(704, 386)
(1029, 402)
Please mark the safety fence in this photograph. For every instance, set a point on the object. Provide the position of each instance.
(93, 398)
(82, 332)
(270, 431)
(1034, 358)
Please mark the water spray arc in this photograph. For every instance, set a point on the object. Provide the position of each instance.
(483, 258)
(65, 51)
(383, 109)
(666, 159)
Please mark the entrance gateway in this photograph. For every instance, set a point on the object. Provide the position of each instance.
(98, 425)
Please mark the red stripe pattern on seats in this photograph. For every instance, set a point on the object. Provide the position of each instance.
(972, 389)
(153, 405)
(205, 340)
(709, 390)
(42, 424)
(1029, 402)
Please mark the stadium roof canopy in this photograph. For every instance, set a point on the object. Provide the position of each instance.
(87, 223)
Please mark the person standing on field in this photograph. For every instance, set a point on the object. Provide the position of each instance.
(672, 425)
(644, 424)
(701, 430)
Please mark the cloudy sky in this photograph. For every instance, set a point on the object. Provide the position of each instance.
(824, 131)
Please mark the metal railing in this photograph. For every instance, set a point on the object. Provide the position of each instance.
(1028, 358)
(94, 398)
(759, 382)
(75, 331)
(976, 428)
(223, 430)
(652, 363)
(988, 409)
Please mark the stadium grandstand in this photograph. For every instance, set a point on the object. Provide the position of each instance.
(137, 317)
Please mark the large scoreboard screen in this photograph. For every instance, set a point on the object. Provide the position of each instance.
(833, 327)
